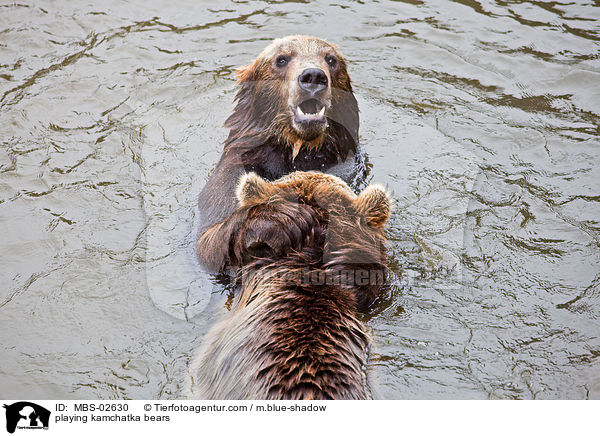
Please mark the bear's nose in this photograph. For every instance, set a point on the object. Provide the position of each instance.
(313, 80)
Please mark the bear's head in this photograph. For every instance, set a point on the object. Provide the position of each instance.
(299, 92)
(307, 219)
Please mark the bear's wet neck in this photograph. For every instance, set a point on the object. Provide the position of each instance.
(272, 157)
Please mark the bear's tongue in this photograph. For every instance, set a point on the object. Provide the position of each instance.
(311, 108)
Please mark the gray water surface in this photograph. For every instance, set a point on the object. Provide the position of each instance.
(482, 118)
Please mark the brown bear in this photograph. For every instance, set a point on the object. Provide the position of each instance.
(295, 110)
(310, 254)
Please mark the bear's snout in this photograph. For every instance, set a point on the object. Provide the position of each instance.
(313, 80)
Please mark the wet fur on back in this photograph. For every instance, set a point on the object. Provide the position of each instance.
(293, 332)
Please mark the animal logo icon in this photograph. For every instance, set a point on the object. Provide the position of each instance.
(24, 414)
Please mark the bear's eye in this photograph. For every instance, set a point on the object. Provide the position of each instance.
(331, 60)
(282, 60)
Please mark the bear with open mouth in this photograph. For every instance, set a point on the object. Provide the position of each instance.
(295, 110)
(309, 255)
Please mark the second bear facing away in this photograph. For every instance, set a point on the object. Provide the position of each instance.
(310, 254)
(295, 110)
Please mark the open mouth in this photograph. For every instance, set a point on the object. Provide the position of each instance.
(309, 111)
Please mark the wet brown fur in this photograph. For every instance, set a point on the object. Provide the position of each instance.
(262, 137)
(290, 334)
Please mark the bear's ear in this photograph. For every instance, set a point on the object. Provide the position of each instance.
(375, 204)
(246, 73)
(253, 188)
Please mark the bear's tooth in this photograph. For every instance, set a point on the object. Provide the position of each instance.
(300, 112)
(322, 111)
